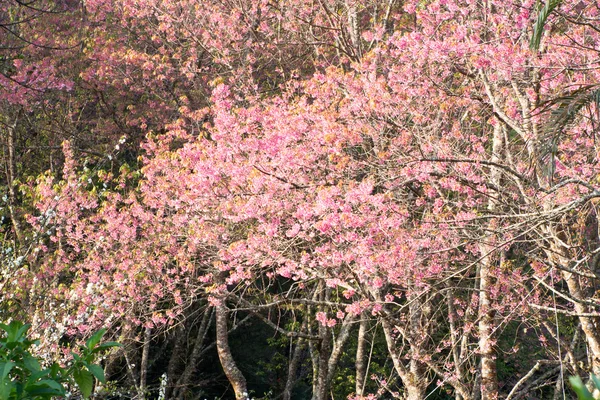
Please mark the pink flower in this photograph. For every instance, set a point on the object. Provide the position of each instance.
(322, 318)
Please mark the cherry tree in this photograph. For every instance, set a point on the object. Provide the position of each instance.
(418, 164)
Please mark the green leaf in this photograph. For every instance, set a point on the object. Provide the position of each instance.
(56, 370)
(31, 363)
(5, 390)
(106, 346)
(538, 29)
(596, 381)
(46, 388)
(564, 111)
(43, 393)
(6, 386)
(37, 375)
(97, 371)
(15, 330)
(582, 392)
(95, 339)
(5, 367)
(85, 382)
(51, 384)
(12, 345)
(21, 331)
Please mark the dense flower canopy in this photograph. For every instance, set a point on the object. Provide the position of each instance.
(423, 166)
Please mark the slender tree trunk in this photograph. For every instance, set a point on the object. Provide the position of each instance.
(361, 355)
(560, 255)
(330, 351)
(588, 324)
(338, 347)
(320, 392)
(489, 375)
(233, 373)
(131, 373)
(144, 364)
(314, 358)
(477, 386)
(414, 333)
(352, 11)
(175, 360)
(190, 365)
(11, 174)
(452, 317)
(329, 354)
(415, 386)
(293, 369)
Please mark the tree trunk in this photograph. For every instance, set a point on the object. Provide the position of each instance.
(293, 369)
(175, 360)
(489, 375)
(588, 324)
(361, 356)
(338, 347)
(415, 386)
(452, 317)
(233, 373)
(11, 175)
(320, 388)
(191, 363)
(144, 364)
(561, 255)
(351, 9)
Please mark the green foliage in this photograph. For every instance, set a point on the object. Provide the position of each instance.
(579, 387)
(22, 375)
(538, 29)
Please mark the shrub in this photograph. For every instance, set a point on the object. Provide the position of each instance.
(23, 377)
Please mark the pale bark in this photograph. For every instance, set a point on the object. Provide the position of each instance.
(11, 176)
(489, 375)
(415, 385)
(131, 372)
(338, 347)
(325, 357)
(588, 324)
(314, 358)
(233, 373)
(361, 355)
(560, 254)
(352, 11)
(452, 317)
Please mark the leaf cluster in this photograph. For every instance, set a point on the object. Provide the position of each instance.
(22, 376)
